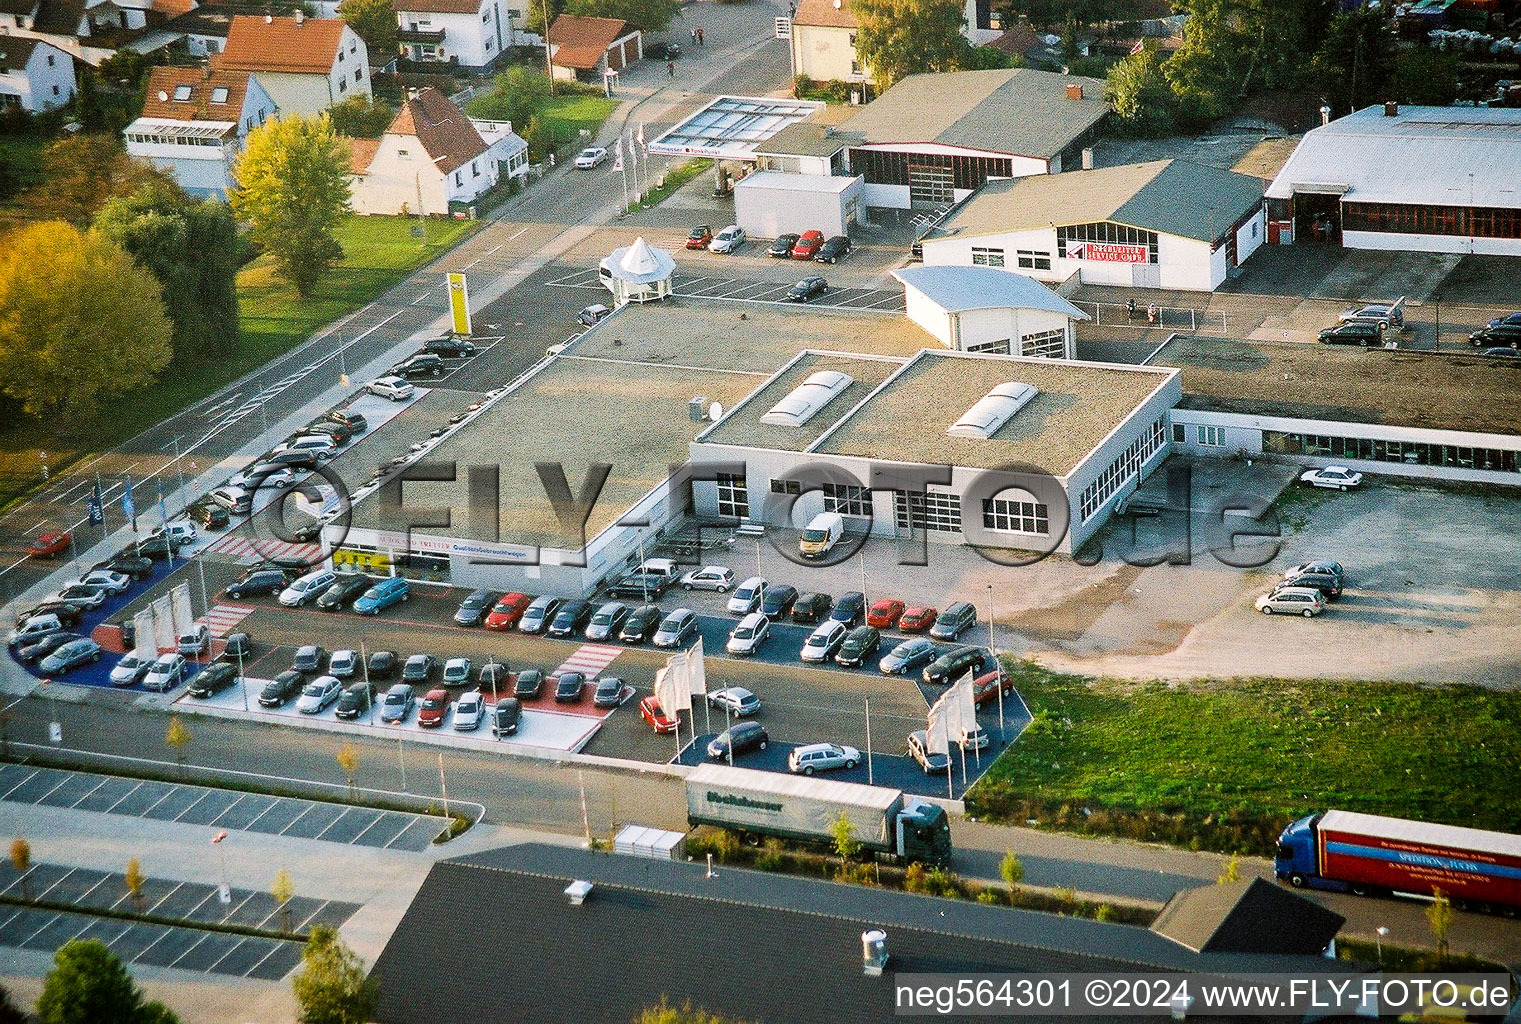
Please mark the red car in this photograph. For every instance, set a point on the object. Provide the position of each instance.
(649, 710)
(50, 544)
(700, 236)
(884, 614)
(435, 707)
(507, 610)
(985, 687)
(807, 246)
(916, 619)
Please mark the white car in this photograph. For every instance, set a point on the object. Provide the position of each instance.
(591, 156)
(195, 641)
(344, 663)
(824, 641)
(751, 632)
(717, 578)
(1304, 601)
(737, 700)
(182, 530)
(394, 388)
(318, 694)
(1337, 477)
(729, 240)
(748, 597)
(308, 587)
(104, 579)
(165, 673)
(822, 757)
(456, 672)
(975, 738)
(129, 670)
(80, 596)
(469, 711)
(263, 475)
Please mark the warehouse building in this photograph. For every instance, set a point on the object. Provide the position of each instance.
(1422, 179)
(1163, 224)
(981, 309)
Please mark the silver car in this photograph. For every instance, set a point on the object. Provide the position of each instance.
(822, 757)
(719, 578)
(737, 700)
(343, 664)
(676, 628)
(1292, 601)
(751, 632)
(469, 711)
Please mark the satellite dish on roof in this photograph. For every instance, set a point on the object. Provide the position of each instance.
(837, 4)
(163, 97)
(715, 412)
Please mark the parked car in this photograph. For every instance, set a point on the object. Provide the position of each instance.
(736, 700)
(475, 607)
(824, 641)
(356, 700)
(748, 596)
(104, 579)
(591, 156)
(954, 621)
(662, 51)
(308, 658)
(834, 250)
(528, 683)
(569, 686)
(494, 676)
(607, 621)
(811, 758)
(1337, 477)
(383, 595)
(236, 645)
(129, 670)
(916, 619)
(208, 513)
(918, 749)
(699, 237)
(392, 387)
(281, 688)
(77, 652)
(987, 686)
(1507, 335)
(420, 366)
(1333, 573)
(884, 613)
(1385, 315)
(343, 663)
(274, 475)
(676, 628)
(1508, 318)
(397, 704)
(211, 680)
(507, 610)
(649, 710)
(435, 708)
(858, 646)
(1305, 601)
(258, 581)
(81, 597)
(1508, 354)
(717, 578)
(33, 651)
(571, 618)
(469, 711)
(591, 315)
(811, 608)
(50, 544)
(975, 738)
(907, 656)
(781, 248)
(449, 348)
(748, 635)
(641, 624)
(158, 548)
(35, 627)
(539, 613)
(505, 716)
(345, 588)
(67, 614)
(1356, 332)
(195, 641)
(807, 245)
(730, 240)
(128, 564)
(355, 421)
(322, 446)
(850, 608)
(740, 738)
(166, 672)
(308, 588)
(806, 290)
(778, 601)
(608, 692)
(457, 671)
(955, 663)
(418, 668)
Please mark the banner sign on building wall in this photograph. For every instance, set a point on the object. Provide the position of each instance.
(1108, 252)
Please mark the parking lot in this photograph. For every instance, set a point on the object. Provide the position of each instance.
(718, 286)
(219, 808)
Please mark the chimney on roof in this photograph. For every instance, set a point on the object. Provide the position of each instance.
(1075, 91)
(300, 17)
(577, 892)
(1391, 109)
(873, 952)
(412, 93)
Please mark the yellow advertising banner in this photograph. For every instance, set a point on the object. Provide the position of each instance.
(459, 304)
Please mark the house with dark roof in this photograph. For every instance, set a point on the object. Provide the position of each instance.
(760, 947)
(305, 64)
(432, 156)
(467, 33)
(35, 75)
(1162, 224)
(1248, 916)
(586, 49)
(195, 122)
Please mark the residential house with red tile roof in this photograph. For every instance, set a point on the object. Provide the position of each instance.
(35, 75)
(824, 38)
(195, 122)
(466, 33)
(306, 64)
(587, 48)
(432, 156)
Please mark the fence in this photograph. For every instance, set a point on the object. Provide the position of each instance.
(1182, 320)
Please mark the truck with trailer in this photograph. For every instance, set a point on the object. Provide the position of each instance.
(1368, 854)
(894, 827)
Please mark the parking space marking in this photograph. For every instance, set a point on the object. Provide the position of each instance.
(304, 812)
(193, 803)
(88, 794)
(49, 792)
(7, 794)
(330, 824)
(228, 808)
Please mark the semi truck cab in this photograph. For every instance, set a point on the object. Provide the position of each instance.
(924, 833)
(1296, 857)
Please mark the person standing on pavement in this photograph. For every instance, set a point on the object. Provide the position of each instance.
(670, 69)
(699, 38)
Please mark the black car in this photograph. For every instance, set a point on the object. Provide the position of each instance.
(1502, 334)
(641, 624)
(208, 513)
(237, 645)
(953, 664)
(859, 644)
(423, 365)
(475, 607)
(504, 717)
(740, 738)
(213, 679)
(382, 664)
(781, 249)
(258, 581)
(281, 688)
(450, 348)
(778, 601)
(157, 548)
(418, 668)
(528, 683)
(339, 432)
(494, 676)
(355, 701)
(355, 421)
(805, 290)
(44, 645)
(662, 51)
(833, 250)
(609, 692)
(850, 608)
(1353, 332)
(344, 589)
(811, 608)
(568, 687)
(1508, 318)
(68, 614)
(571, 618)
(539, 614)
(128, 564)
(294, 459)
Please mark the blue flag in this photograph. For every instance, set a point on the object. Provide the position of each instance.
(97, 508)
(127, 508)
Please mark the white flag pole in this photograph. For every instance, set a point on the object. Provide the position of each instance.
(870, 780)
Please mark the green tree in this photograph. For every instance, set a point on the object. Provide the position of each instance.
(537, 12)
(293, 187)
(79, 321)
(1011, 871)
(1356, 60)
(1138, 91)
(539, 138)
(21, 860)
(360, 117)
(650, 15)
(985, 58)
(908, 37)
(1425, 77)
(88, 985)
(1232, 48)
(192, 249)
(155, 1012)
(375, 23)
(332, 987)
(1439, 914)
(517, 95)
(843, 832)
(81, 172)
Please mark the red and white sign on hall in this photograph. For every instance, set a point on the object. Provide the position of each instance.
(1108, 252)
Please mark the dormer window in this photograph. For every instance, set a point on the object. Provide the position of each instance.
(181, 93)
(219, 94)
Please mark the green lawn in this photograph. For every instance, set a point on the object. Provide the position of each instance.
(1226, 765)
(566, 116)
(23, 154)
(378, 252)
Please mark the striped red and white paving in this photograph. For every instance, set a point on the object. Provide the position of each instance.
(238, 548)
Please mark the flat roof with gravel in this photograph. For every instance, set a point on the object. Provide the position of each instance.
(1079, 404)
(1439, 391)
(743, 425)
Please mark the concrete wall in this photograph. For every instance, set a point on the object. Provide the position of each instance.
(1091, 468)
(825, 54)
(1183, 264)
(1251, 235)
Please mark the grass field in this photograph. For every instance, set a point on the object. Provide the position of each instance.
(1225, 766)
(23, 153)
(566, 116)
(378, 252)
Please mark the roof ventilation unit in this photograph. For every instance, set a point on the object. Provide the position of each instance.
(808, 398)
(993, 410)
(577, 891)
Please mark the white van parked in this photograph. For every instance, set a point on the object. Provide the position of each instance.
(307, 588)
(820, 535)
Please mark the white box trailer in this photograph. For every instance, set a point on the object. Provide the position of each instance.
(771, 203)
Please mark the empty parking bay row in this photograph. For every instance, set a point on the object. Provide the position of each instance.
(220, 808)
(712, 287)
(155, 945)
